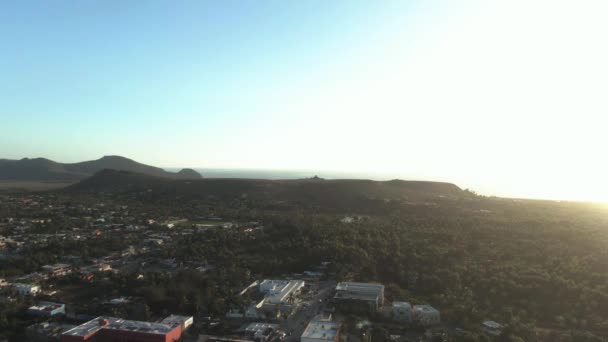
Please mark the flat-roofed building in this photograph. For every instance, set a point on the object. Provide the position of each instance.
(359, 297)
(111, 329)
(399, 312)
(321, 331)
(46, 309)
(260, 332)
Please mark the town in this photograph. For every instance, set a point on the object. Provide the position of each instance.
(93, 271)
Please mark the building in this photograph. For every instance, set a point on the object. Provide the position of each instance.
(46, 309)
(426, 315)
(57, 270)
(280, 291)
(184, 321)
(359, 297)
(212, 338)
(321, 331)
(399, 312)
(102, 329)
(492, 328)
(26, 289)
(260, 332)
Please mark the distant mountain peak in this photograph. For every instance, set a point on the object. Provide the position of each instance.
(188, 174)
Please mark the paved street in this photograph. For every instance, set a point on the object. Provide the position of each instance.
(312, 304)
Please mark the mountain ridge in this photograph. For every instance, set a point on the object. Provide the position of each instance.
(43, 169)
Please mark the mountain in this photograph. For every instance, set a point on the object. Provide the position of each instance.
(344, 193)
(41, 169)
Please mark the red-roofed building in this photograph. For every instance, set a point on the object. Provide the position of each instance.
(110, 329)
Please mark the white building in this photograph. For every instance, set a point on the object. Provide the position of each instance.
(399, 311)
(426, 315)
(321, 331)
(26, 289)
(280, 291)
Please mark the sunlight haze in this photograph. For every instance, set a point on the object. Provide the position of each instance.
(507, 98)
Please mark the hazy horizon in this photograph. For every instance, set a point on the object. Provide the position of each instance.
(504, 98)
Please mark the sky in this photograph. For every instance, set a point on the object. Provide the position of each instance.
(507, 98)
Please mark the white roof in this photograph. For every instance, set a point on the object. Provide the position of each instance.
(321, 330)
(278, 290)
(492, 324)
(404, 305)
(425, 308)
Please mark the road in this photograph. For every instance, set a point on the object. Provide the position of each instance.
(312, 304)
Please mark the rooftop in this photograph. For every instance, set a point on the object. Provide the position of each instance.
(425, 308)
(492, 325)
(176, 320)
(25, 286)
(277, 291)
(114, 323)
(404, 305)
(357, 296)
(45, 306)
(359, 287)
(321, 330)
(255, 327)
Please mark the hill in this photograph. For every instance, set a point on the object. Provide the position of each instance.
(344, 193)
(45, 170)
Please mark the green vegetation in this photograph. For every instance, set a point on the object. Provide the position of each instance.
(540, 267)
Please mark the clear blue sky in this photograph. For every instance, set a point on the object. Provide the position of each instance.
(506, 97)
(85, 78)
